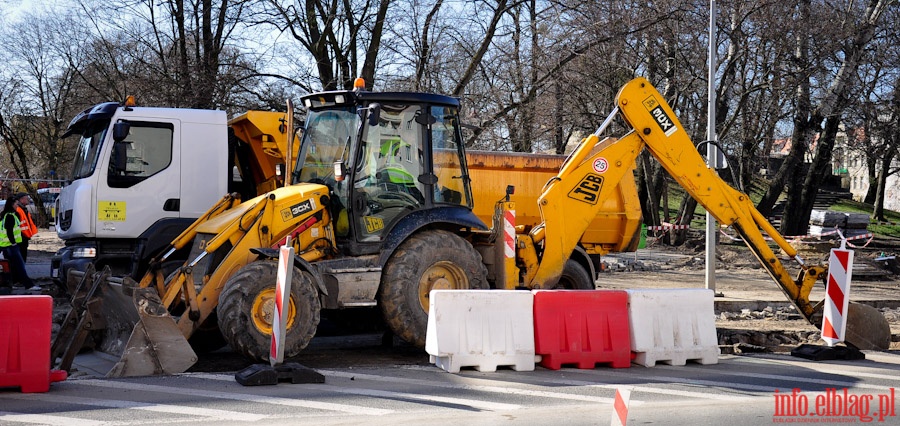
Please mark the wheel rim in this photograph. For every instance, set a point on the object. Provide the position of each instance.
(263, 312)
(442, 275)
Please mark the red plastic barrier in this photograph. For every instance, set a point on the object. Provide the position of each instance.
(25, 343)
(582, 327)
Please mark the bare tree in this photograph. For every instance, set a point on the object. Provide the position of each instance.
(171, 53)
(335, 33)
(859, 28)
(33, 102)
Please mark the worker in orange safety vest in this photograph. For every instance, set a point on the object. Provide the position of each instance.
(26, 223)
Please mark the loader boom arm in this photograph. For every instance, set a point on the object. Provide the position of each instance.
(571, 199)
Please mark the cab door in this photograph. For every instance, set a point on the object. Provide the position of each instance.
(388, 165)
(141, 180)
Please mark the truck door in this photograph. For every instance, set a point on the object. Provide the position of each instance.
(142, 178)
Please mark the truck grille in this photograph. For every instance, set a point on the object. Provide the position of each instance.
(65, 220)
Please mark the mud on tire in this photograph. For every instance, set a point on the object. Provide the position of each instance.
(426, 261)
(246, 309)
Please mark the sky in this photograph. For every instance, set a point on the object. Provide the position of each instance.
(12, 10)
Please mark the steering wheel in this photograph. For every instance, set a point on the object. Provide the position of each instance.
(396, 199)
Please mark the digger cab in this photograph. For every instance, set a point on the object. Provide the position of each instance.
(389, 159)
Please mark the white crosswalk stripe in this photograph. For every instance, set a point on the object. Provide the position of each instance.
(505, 389)
(46, 419)
(474, 403)
(290, 402)
(146, 406)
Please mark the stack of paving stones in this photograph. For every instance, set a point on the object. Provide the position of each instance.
(850, 224)
(626, 265)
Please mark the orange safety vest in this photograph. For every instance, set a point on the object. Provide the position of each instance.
(29, 229)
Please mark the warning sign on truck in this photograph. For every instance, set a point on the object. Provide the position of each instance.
(111, 211)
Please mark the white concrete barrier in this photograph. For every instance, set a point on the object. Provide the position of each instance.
(482, 329)
(672, 326)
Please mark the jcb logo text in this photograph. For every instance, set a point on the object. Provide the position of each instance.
(588, 190)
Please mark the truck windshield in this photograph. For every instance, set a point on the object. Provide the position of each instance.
(87, 149)
(326, 140)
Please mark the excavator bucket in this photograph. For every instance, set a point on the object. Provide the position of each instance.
(867, 328)
(156, 345)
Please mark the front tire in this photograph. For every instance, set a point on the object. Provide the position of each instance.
(247, 307)
(426, 261)
(575, 277)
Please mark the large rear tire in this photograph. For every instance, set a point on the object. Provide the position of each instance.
(247, 308)
(427, 261)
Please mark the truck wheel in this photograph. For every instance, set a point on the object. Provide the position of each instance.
(431, 260)
(247, 307)
(575, 277)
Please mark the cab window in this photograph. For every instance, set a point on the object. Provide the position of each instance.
(145, 151)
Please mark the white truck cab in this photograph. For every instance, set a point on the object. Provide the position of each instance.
(140, 177)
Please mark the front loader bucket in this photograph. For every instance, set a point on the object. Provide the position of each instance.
(156, 346)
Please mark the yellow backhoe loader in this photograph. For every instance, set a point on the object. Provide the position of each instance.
(380, 213)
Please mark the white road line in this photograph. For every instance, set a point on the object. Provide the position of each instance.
(343, 408)
(883, 373)
(146, 406)
(422, 382)
(43, 419)
(474, 403)
(795, 379)
(680, 380)
(646, 389)
(480, 388)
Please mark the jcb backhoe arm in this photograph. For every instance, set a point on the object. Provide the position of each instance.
(593, 170)
(657, 127)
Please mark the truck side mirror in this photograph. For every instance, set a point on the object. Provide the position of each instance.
(339, 171)
(119, 160)
(120, 130)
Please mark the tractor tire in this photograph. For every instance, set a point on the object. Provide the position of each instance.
(426, 261)
(247, 307)
(575, 277)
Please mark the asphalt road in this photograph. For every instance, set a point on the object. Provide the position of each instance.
(739, 390)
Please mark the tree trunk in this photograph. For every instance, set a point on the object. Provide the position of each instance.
(368, 68)
(649, 208)
(872, 175)
(799, 138)
(878, 212)
(797, 222)
(685, 216)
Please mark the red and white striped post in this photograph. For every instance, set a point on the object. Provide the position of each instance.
(508, 272)
(620, 407)
(837, 295)
(509, 234)
(282, 299)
